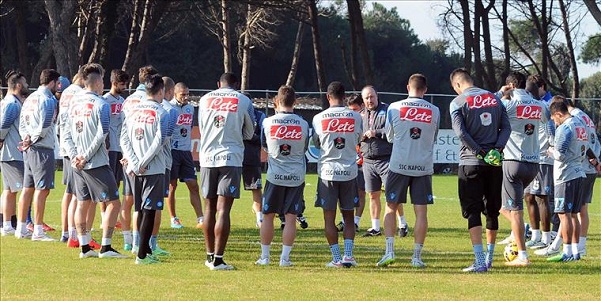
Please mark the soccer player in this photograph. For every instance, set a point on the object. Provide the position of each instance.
(376, 156)
(355, 103)
(11, 159)
(182, 167)
(225, 120)
(251, 165)
(411, 127)
(482, 125)
(337, 132)
(85, 143)
(37, 130)
(131, 239)
(591, 167)
(522, 155)
(285, 136)
(142, 138)
(571, 141)
(539, 193)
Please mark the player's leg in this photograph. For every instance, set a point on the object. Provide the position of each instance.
(195, 201)
(154, 244)
(127, 226)
(222, 227)
(471, 192)
(566, 198)
(373, 188)
(39, 204)
(9, 202)
(209, 228)
(82, 229)
(73, 240)
(349, 200)
(588, 185)
(389, 231)
(24, 203)
(175, 167)
(534, 217)
(267, 233)
(331, 233)
(421, 197)
(288, 236)
(274, 203)
(90, 217)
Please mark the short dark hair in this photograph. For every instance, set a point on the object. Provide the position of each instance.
(354, 99)
(336, 90)
(532, 88)
(461, 74)
(145, 72)
(91, 73)
(48, 75)
(558, 104)
(516, 78)
(154, 84)
(181, 86)
(229, 79)
(13, 78)
(119, 76)
(538, 80)
(286, 95)
(418, 81)
(169, 83)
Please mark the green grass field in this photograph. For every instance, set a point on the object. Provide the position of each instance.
(51, 271)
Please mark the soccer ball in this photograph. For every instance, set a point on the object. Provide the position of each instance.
(511, 251)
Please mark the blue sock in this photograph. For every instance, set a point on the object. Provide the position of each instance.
(479, 253)
(153, 242)
(348, 247)
(29, 220)
(136, 238)
(490, 248)
(335, 249)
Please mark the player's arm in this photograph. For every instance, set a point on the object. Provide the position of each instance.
(306, 137)
(171, 126)
(388, 127)
(315, 136)
(256, 139)
(69, 146)
(10, 113)
(563, 138)
(458, 124)
(264, 137)
(157, 142)
(504, 130)
(127, 149)
(46, 107)
(358, 127)
(104, 121)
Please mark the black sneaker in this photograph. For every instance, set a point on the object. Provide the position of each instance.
(356, 228)
(372, 232)
(283, 225)
(403, 231)
(340, 226)
(302, 221)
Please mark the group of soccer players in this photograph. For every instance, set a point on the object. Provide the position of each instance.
(144, 140)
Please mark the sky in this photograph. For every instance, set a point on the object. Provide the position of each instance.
(423, 16)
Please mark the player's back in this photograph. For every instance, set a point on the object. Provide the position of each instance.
(412, 126)
(10, 109)
(286, 137)
(37, 116)
(571, 139)
(63, 113)
(338, 130)
(593, 141)
(224, 121)
(525, 115)
(88, 124)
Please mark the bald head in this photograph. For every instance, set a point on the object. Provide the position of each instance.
(169, 85)
(370, 97)
(182, 93)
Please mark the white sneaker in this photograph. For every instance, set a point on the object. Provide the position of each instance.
(7, 232)
(286, 263)
(222, 267)
(506, 241)
(582, 252)
(111, 254)
(262, 261)
(135, 249)
(88, 254)
(334, 264)
(208, 264)
(417, 263)
(21, 235)
(548, 251)
(387, 259)
(41, 237)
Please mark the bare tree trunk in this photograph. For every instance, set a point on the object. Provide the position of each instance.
(246, 49)
(572, 57)
(105, 28)
(594, 9)
(479, 70)
(133, 40)
(489, 62)
(356, 20)
(321, 76)
(21, 36)
(60, 14)
(227, 45)
(86, 30)
(349, 67)
(45, 56)
(506, 49)
(296, 55)
(467, 36)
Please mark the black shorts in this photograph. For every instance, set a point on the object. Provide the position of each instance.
(96, 184)
(421, 189)
(330, 194)
(543, 182)
(568, 196)
(182, 167)
(251, 176)
(587, 186)
(374, 174)
(166, 179)
(360, 179)
(39, 164)
(115, 164)
(283, 200)
(128, 184)
(223, 181)
(148, 192)
(480, 189)
(68, 175)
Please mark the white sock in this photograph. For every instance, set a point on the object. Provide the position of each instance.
(89, 236)
(83, 240)
(38, 229)
(106, 241)
(546, 237)
(575, 249)
(535, 235)
(265, 251)
(567, 249)
(555, 244)
(375, 224)
(173, 219)
(522, 254)
(7, 225)
(357, 220)
(127, 238)
(417, 250)
(65, 233)
(200, 219)
(101, 217)
(259, 217)
(402, 221)
(390, 245)
(21, 227)
(286, 252)
(581, 242)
